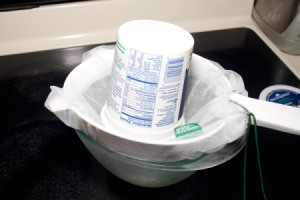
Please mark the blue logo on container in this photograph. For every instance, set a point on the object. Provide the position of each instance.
(286, 97)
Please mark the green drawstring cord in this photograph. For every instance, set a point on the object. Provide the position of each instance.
(250, 118)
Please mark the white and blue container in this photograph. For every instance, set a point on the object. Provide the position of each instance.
(282, 94)
(148, 78)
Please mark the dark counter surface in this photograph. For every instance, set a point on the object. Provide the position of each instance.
(41, 158)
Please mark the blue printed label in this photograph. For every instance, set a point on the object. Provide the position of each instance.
(283, 96)
(147, 90)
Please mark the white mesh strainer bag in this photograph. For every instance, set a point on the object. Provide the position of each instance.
(79, 103)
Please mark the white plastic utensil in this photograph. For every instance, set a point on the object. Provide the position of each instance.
(271, 115)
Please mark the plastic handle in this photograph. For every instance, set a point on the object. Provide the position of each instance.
(271, 115)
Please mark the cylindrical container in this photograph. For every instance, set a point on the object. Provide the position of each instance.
(282, 94)
(148, 79)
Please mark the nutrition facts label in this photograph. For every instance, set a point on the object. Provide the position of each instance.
(169, 92)
(140, 90)
(146, 89)
(149, 78)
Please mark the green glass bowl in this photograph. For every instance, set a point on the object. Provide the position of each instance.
(148, 174)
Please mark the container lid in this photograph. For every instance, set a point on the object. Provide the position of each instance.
(282, 94)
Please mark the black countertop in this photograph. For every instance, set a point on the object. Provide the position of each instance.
(41, 158)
